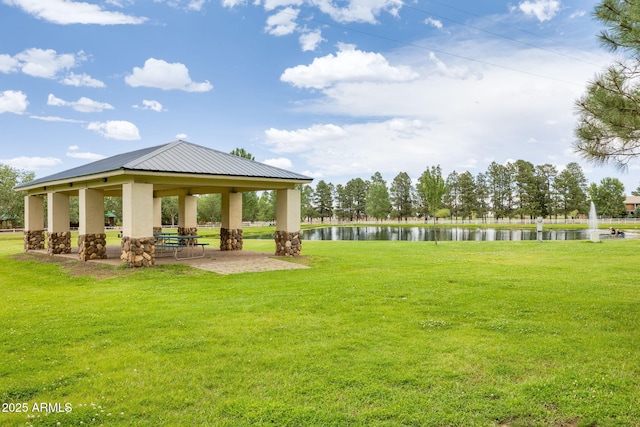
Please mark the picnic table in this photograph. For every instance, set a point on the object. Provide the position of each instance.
(179, 246)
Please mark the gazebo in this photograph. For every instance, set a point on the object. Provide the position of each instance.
(142, 178)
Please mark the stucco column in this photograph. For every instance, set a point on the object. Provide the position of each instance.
(187, 215)
(138, 243)
(92, 240)
(157, 214)
(231, 224)
(288, 235)
(59, 230)
(33, 223)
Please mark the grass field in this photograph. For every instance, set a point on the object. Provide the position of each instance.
(374, 334)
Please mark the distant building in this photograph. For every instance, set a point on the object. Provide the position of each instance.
(632, 203)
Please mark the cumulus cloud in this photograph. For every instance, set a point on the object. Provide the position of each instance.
(8, 64)
(44, 63)
(160, 74)
(348, 65)
(116, 129)
(13, 101)
(81, 80)
(83, 105)
(543, 10)
(150, 105)
(181, 136)
(73, 12)
(31, 163)
(309, 41)
(283, 22)
(279, 162)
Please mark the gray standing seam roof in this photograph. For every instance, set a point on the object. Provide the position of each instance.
(176, 157)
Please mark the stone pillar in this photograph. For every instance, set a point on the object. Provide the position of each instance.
(33, 223)
(92, 240)
(138, 243)
(288, 236)
(187, 215)
(157, 214)
(231, 226)
(59, 231)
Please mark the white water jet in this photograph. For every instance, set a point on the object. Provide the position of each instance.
(593, 224)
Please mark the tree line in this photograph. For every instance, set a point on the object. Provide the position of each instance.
(513, 190)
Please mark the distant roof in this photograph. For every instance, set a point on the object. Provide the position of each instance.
(175, 157)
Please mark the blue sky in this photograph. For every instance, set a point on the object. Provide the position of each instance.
(333, 90)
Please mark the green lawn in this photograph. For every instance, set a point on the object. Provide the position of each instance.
(374, 334)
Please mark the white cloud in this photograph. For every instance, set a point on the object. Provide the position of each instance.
(116, 129)
(56, 119)
(233, 3)
(160, 74)
(150, 105)
(13, 101)
(81, 80)
(83, 105)
(348, 65)
(311, 40)
(8, 64)
(354, 150)
(283, 22)
(73, 12)
(434, 23)
(31, 163)
(279, 162)
(578, 14)
(359, 10)
(543, 10)
(284, 141)
(182, 136)
(274, 4)
(455, 113)
(73, 152)
(46, 63)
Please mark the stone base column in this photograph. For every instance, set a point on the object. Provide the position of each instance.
(231, 240)
(92, 246)
(59, 243)
(33, 240)
(288, 243)
(138, 252)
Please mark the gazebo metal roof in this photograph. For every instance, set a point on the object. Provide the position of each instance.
(179, 157)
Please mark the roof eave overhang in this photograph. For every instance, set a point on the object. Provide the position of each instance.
(178, 179)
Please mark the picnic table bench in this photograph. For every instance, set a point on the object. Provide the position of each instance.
(179, 246)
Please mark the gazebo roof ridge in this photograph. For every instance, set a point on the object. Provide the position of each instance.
(175, 157)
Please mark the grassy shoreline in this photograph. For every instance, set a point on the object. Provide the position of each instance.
(375, 333)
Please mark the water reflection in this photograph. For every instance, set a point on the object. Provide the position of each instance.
(428, 234)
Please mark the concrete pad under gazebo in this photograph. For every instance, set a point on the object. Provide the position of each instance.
(142, 178)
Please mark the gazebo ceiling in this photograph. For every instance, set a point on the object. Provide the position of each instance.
(174, 168)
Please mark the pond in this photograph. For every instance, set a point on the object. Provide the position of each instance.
(442, 233)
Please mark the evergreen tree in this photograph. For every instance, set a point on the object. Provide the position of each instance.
(608, 129)
(323, 200)
(401, 196)
(468, 199)
(378, 203)
(570, 185)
